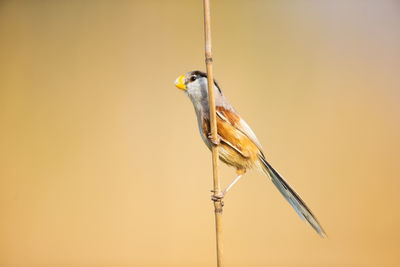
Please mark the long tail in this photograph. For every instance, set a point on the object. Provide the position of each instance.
(292, 197)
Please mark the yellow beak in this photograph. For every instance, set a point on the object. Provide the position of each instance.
(180, 82)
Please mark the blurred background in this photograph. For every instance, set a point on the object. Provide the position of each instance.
(102, 163)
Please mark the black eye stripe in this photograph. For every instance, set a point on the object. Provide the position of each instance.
(198, 74)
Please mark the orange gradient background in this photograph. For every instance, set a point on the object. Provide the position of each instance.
(102, 163)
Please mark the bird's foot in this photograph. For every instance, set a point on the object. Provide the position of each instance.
(214, 142)
(217, 197)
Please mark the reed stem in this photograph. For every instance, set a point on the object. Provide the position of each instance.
(213, 124)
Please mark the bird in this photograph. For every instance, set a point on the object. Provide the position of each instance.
(237, 144)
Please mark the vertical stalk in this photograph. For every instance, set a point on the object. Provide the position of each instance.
(213, 124)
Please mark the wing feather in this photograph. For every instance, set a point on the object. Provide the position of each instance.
(237, 122)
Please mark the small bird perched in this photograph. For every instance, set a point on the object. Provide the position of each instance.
(238, 146)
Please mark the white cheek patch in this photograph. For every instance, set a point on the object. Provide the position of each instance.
(195, 90)
(194, 94)
(203, 83)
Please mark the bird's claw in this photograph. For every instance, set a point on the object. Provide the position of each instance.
(214, 142)
(217, 197)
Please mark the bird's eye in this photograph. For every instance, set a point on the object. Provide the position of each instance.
(193, 78)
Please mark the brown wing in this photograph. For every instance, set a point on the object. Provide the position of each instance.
(236, 121)
(236, 148)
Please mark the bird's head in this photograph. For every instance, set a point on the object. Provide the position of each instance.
(195, 85)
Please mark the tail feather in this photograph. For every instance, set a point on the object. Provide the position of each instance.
(292, 197)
